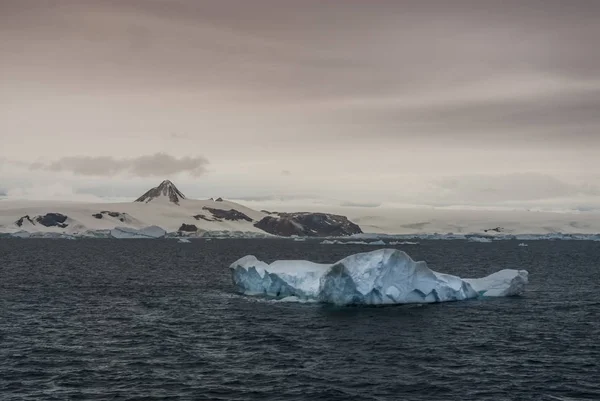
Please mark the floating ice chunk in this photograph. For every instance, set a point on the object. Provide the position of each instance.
(523, 244)
(384, 276)
(480, 239)
(403, 243)
(184, 241)
(132, 233)
(336, 242)
(504, 283)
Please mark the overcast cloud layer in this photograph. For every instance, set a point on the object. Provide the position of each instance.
(421, 102)
(157, 165)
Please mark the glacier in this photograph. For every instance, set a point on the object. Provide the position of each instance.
(384, 276)
(132, 233)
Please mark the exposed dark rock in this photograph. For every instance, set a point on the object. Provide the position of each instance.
(308, 224)
(203, 217)
(231, 214)
(22, 219)
(497, 229)
(52, 220)
(266, 212)
(123, 217)
(190, 228)
(166, 188)
(219, 200)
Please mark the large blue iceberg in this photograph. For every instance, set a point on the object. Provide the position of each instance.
(384, 276)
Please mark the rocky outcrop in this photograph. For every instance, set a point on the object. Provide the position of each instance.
(219, 199)
(123, 217)
(203, 217)
(24, 219)
(47, 220)
(188, 228)
(220, 215)
(166, 189)
(497, 229)
(52, 220)
(308, 224)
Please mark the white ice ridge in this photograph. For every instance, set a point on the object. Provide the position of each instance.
(384, 276)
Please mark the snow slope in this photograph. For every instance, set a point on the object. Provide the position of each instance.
(406, 220)
(384, 276)
(159, 213)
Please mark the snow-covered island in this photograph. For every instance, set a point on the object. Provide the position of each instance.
(384, 276)
(163, 211)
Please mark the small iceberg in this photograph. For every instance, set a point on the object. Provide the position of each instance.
(336, 242)
(523, 244)
(384, 276)
(480, 239)
(184, 241)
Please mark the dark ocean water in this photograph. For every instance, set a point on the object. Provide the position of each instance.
(158, 320)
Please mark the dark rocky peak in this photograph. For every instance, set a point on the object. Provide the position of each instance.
(166, 189)
(23, 220)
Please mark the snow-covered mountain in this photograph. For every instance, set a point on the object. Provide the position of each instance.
(166, 207)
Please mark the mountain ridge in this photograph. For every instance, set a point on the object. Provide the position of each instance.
(165, 206)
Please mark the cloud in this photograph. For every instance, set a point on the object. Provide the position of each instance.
(176, 135)
(156, 165)
(506, 189)
(360, 204)
(53, 191)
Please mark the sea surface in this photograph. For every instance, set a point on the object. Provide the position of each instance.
(158, 320)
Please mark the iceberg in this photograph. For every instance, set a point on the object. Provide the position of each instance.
(403, 243)
(336, 242)
(384, 276)
(480, 239)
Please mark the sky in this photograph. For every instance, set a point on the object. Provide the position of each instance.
(444, 103)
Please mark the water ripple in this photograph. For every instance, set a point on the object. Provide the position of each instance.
(155, 320)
